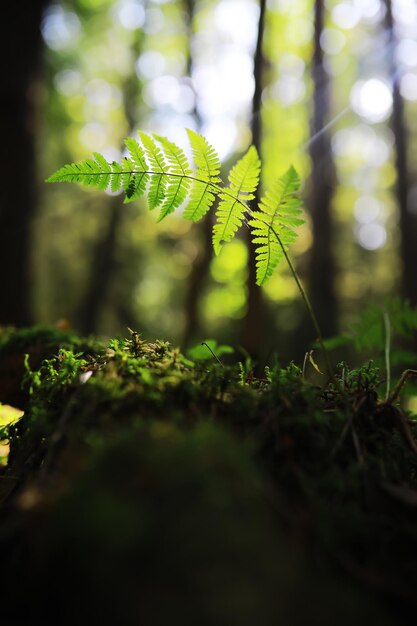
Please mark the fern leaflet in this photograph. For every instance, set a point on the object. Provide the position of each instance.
(273, 225)
(136, 176)
(178, 178)
(243, 181)
(203, 193)
(91, 173)
(156, 193)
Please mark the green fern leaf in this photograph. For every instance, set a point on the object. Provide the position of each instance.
(156, 192)
(116, 178)
(103, 181)
(91, 173)
(273, 225)
(178, 179)
(243, 181)
(205, 157)
(201, 198)
(203, 192)
(160, 168)
(136, 174)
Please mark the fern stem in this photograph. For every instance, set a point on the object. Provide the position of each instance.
(387, 326)
(307, 303)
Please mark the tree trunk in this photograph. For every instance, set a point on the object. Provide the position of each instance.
(253, 326)
(101, 272)
(408, 220)
(201, 266)
(321, 263)
(20, 52)
(102, 269)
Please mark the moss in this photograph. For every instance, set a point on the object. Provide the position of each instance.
(39, 342)
(227, 495)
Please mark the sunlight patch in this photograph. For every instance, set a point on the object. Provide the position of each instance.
(8, 415)
(372, 99)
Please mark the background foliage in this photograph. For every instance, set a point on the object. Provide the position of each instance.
(330, 87)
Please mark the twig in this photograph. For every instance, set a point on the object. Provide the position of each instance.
(396, 391)
(387, 325)
(203, 343)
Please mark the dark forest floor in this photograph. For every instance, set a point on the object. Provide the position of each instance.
(145, 488)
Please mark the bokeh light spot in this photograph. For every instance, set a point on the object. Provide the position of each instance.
(406, 52)
(408, 86)
(238, 19)
(346, 15)
(371, 236)
(150, 64)
(60, 29)
(332, 40)
(366, 209)
(372, 99)
(68, 82)
(130, 14)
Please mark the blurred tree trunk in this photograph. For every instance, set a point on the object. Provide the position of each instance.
(321, 272)
(253, 326)
(101, 271)
(103, 262)
(197, 281)
(201, 265)
(20, 56)
(408, 220)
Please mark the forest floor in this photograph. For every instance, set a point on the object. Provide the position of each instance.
(143, 487)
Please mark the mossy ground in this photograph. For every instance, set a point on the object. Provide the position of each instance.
(145, 488)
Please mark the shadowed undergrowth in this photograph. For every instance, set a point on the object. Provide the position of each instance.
(143, 487)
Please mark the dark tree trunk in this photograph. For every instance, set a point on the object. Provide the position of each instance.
(408, 220)
(103, 263)
(20, 52)
(197, 281)
(253, 327)
(201, 266)
(101, 272)
(321, 272)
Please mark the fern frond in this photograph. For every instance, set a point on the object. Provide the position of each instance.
(160, 168)
(203, 192)
(243, 181)
(273, 225)
(178, 178)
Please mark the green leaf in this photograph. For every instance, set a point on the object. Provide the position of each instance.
(136, 175)
(116, 179)
(243, 182)
(156, 193)
(273, 225)
(203, 191)
(205, 157)
(178, 179)
(91, 173)
(103, 181)
(159, 168)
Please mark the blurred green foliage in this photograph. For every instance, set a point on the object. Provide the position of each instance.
(112, 66)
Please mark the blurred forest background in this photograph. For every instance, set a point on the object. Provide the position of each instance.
(329, 86)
